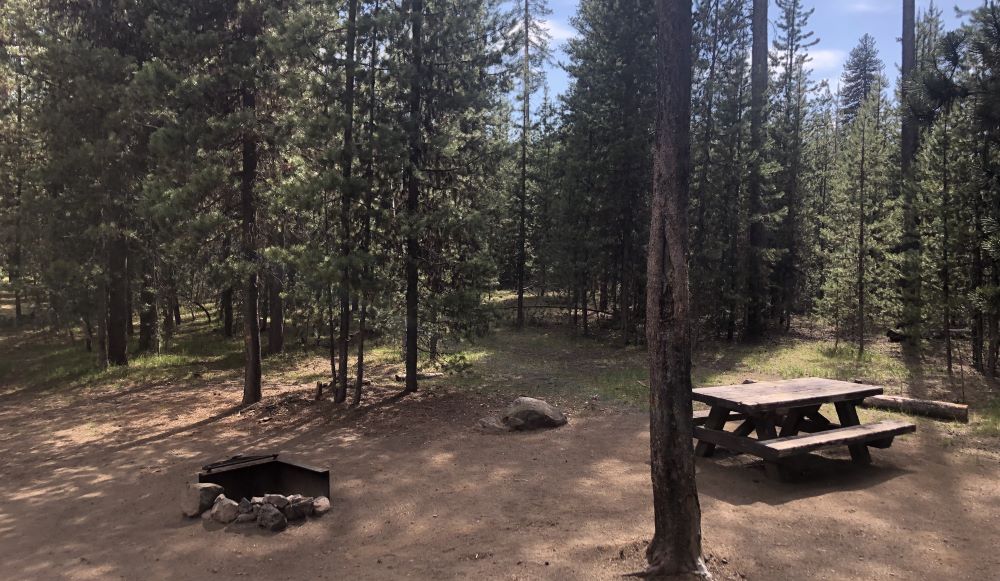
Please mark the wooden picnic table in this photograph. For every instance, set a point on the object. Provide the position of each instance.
(788, 422)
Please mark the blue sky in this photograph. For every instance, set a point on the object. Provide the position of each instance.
(837, 23)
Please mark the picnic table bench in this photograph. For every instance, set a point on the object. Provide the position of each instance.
(787, 420)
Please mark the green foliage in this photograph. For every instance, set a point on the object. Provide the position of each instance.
(862, 227)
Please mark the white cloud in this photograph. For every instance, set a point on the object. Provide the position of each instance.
(870, 6)
(826, 59)
(558, 31)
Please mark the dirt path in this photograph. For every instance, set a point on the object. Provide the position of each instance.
(92, 483)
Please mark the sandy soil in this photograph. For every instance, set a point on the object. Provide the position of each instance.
(92, 480)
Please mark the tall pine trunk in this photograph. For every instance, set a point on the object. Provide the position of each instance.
(101, 315)
(946, 247)
(413, 190)
(523, 191)
(756, 289)
(862, 246)
(248, 215)
(908, 151)
(676, 545)
(14, 272)
(226, 300)
(118, 313)
(347, 169)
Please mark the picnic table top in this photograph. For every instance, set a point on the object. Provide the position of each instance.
(791, 393)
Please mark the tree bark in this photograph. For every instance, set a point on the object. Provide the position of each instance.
(248, 240)
(676, 545)
(413, 191)
(862, 246)
(347, 169)
(102, 325)
(14, 273)
(118, 299)
(756, 290)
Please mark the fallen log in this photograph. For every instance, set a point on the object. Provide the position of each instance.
(941, 410)
(420, 376)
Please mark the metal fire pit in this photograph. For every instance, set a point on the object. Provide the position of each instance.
(249, 476)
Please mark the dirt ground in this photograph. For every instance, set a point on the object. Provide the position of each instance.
(92, 481)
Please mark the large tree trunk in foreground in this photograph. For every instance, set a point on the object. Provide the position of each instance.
(756, 290)
(413, 192)
(676, 545)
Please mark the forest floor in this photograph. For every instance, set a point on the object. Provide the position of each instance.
(93, 464)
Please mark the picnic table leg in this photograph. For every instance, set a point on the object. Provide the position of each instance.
(767, 431)
(817, 422)
(791, 423)
(847, 411)
(716, 421)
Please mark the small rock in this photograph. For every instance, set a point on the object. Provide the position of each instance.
(528, 413)
(492, 425)
(321, 506)
(258, 500)
(299, 509)
(248, 517)
(278, 500)
(749, 381)
(199, 497)
(271, 518)
(246, 507)
(224, 510)
(207, 515)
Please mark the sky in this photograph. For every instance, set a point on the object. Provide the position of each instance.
(838, 24)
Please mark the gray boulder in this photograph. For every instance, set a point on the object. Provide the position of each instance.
(246, 506)
(321, 505)
(492, 425)
(528, 413)
(278, 500)
(224, 510)
(271, 518)
(199, 497)
(300, 509)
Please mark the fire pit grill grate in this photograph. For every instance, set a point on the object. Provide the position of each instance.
(257, 475)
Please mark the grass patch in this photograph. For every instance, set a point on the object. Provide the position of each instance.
(987, 421)
(550, 361)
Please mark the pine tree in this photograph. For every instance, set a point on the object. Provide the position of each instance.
(719, 125)
(608, 137)
(790, 102)
(861, 228)
(862, 73)
(534, 41)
